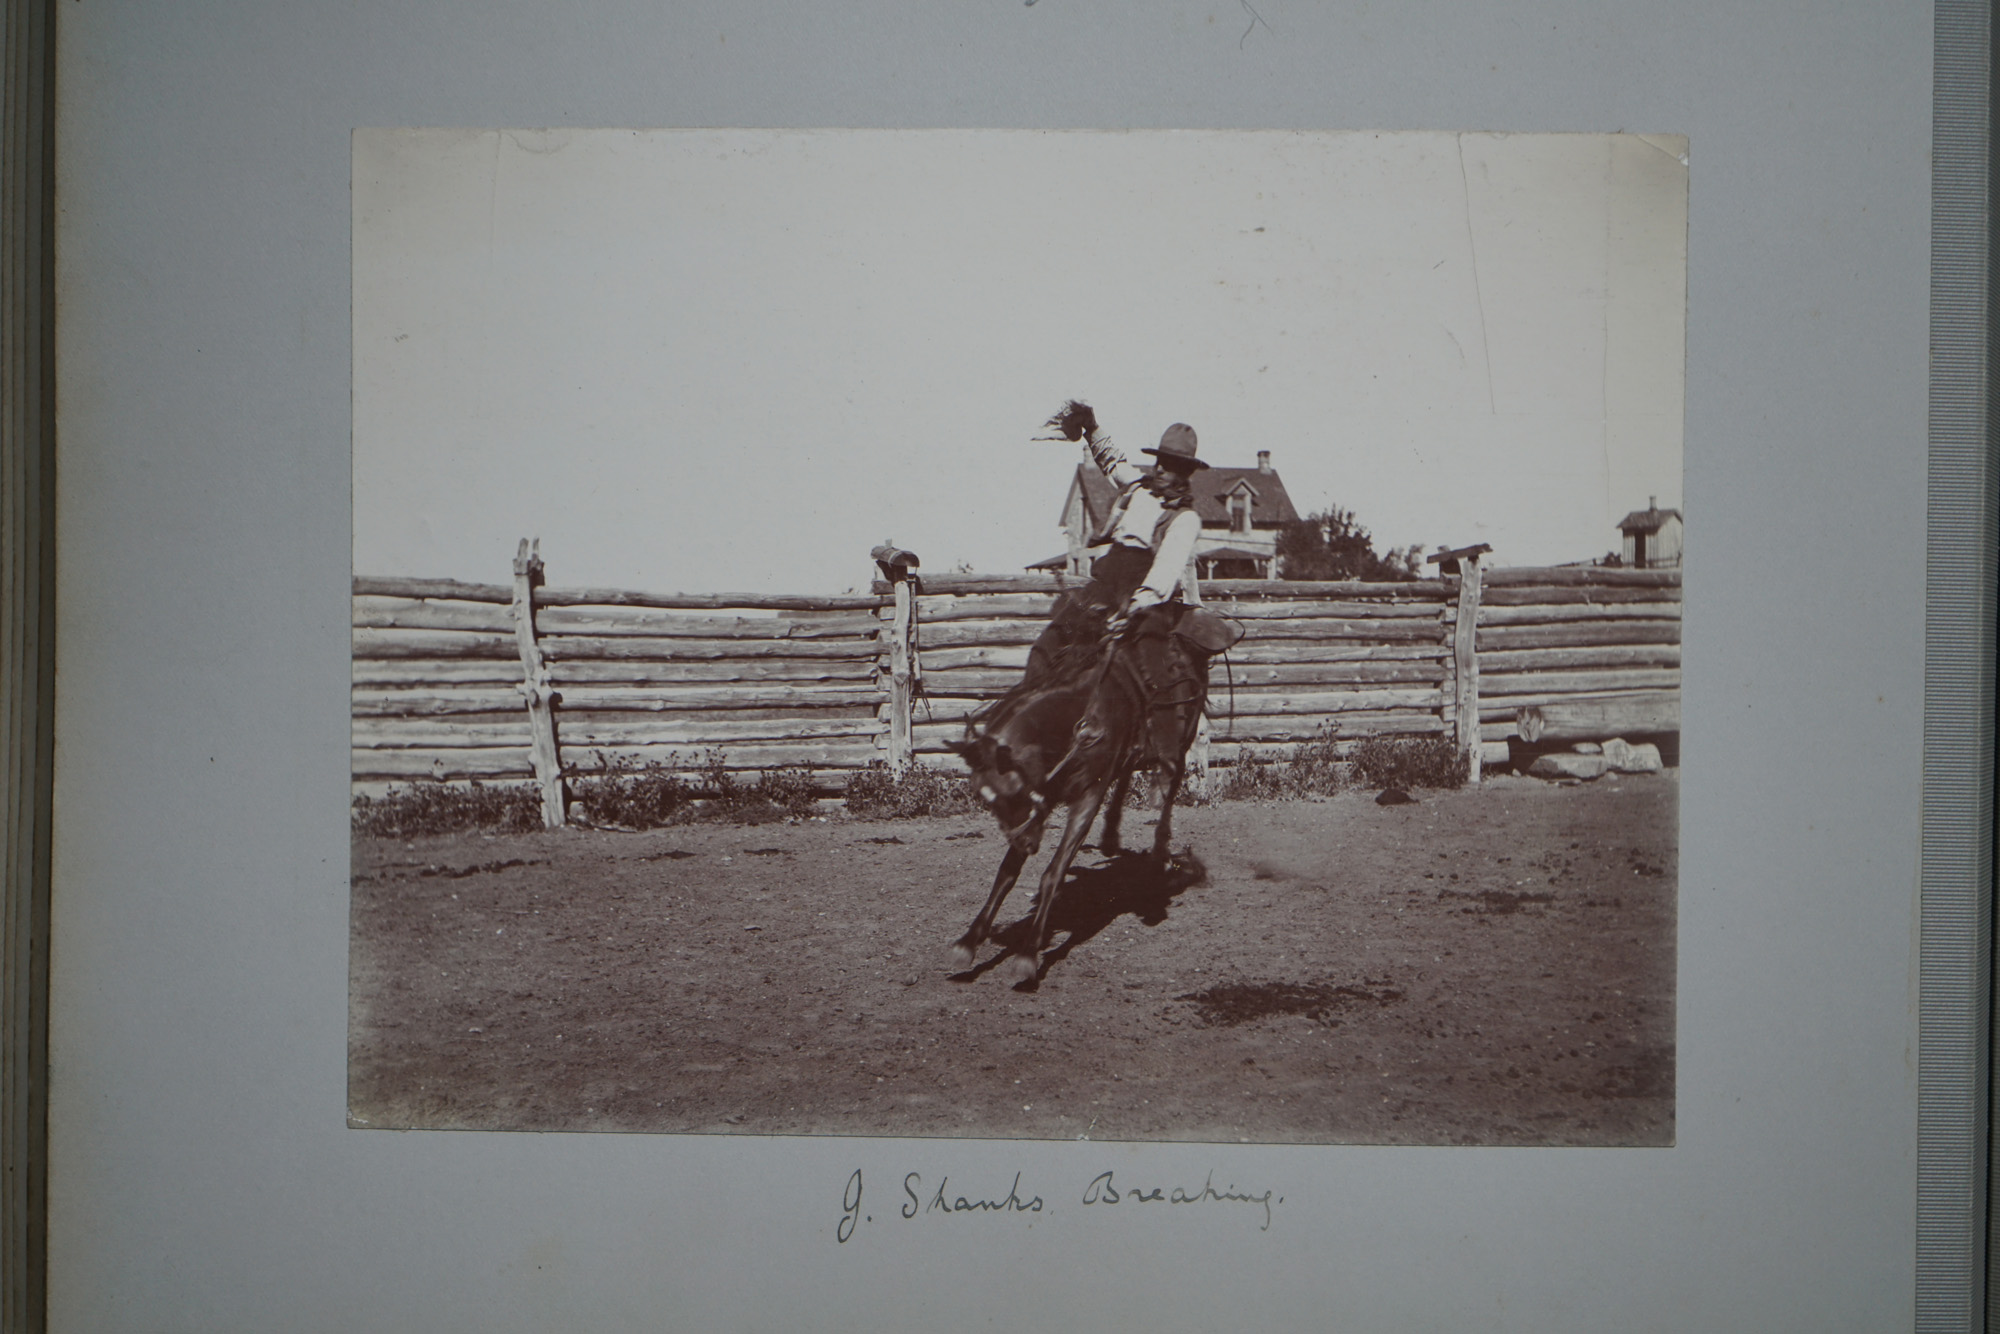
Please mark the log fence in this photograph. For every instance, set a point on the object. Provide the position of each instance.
(529, 683)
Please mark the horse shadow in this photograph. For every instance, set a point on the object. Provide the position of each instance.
(1092, 898)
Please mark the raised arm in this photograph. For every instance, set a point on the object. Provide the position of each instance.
(1110, 461)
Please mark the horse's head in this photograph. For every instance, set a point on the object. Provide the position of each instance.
(998, 781)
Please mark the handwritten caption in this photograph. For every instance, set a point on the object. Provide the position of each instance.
(1102, 1192)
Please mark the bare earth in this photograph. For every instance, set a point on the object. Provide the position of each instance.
(1492, 966)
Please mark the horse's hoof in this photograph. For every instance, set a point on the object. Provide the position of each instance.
(963, 953)
(1025, 967)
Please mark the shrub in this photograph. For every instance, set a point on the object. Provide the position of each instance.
(1431, 761)
(1312, 770)
(881, 793)
(635, 794)
(441, 808)
(647, 794)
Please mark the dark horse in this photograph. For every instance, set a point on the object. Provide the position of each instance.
(1074, 742)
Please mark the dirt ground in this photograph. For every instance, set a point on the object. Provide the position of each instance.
(1490, 966)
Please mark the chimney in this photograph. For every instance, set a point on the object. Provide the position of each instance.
(1652, 502)
(1263, 460)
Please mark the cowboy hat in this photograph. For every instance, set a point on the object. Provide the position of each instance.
(1177, 446)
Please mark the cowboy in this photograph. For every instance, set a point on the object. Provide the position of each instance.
(1151, 531)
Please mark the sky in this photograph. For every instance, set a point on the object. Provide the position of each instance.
(735, 360)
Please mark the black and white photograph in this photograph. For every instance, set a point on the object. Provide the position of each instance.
(1109, 636)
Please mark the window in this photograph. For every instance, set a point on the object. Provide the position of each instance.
(1239, 513)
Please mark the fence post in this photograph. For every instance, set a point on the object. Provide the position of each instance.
(896, 565)
(541, 717)
(1465, 650)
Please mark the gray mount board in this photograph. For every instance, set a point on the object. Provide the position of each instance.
(203, 1175)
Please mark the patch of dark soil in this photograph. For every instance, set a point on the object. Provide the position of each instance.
(1231, 1003)
(764, 852)
(890, 839)
(952, 838)
(671, 854)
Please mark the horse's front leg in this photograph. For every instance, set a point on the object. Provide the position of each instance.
(975, 935)
(1164, 833)
(1114, 813)
(1081, 812)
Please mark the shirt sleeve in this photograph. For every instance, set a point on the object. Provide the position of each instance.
(1170, 561)
(1111, 462)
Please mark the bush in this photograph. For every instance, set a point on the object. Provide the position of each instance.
(635, 794)
(441, 808)
(880, 793)
(1431, 761)
(647, 794)
(1312, 770)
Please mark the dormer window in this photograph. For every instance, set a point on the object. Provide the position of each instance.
(1239, 512)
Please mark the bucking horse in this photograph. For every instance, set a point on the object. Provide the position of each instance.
(1076, 742)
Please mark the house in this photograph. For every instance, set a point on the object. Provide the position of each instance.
(1652, 537)
(1241, 511)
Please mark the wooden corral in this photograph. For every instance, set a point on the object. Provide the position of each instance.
(457, 681)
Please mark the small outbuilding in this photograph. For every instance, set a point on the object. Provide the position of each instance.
(1652, 537)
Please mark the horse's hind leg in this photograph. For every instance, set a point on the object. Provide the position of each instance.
(975, 935)
(1114, 813)
(1081, 812)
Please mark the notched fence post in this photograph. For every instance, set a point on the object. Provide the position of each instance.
(1465, 650)
(896, 565)
(536, 688)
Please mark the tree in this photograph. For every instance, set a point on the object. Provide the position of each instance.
(1331, 545)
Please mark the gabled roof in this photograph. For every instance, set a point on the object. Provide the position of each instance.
(1646, 521)
(1213, 485)
(1211, 490)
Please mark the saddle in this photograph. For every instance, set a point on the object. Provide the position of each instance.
(1209, 632)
